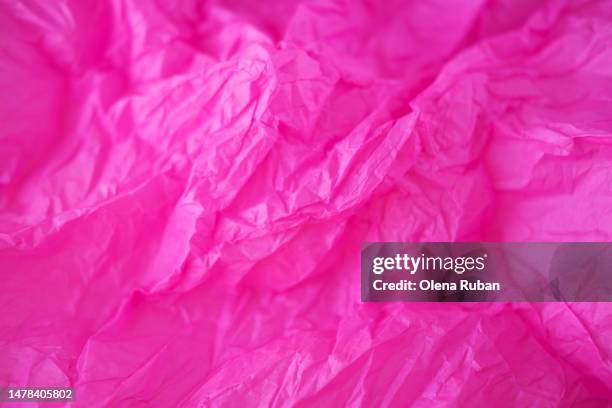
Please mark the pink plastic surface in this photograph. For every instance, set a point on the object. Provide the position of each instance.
(184, 188)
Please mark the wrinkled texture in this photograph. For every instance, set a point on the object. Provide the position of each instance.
(185, 186)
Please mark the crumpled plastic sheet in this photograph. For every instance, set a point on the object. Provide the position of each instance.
(185, 186)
